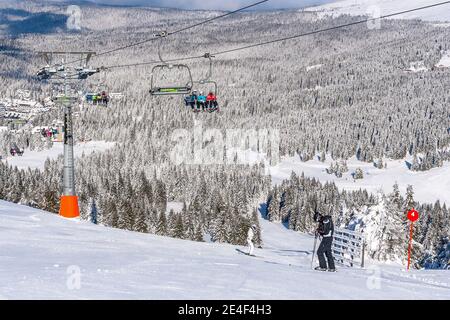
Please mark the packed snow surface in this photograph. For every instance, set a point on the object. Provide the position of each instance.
(385, 7)
(36, 159)
(177, 207)
(43, 256)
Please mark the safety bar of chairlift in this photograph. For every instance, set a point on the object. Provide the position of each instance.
(170, 91)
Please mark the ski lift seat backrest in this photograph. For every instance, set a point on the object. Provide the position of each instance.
(209, 82)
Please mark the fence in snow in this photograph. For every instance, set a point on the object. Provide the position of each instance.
(348, 247)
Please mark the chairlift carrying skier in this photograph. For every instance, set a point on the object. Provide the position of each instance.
(211, 101)
(201, 102)
(191, 100)
(326, 231)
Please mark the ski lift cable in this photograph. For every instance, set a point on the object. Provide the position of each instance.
(288, 38)
(169, 33)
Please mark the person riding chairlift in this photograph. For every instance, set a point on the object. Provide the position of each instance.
(201, 102)
(211, 101)
(104, 98)
(191, 100)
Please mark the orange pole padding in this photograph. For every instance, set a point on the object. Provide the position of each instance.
(69, 207)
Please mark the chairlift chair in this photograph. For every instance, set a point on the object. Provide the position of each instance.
(208, 82)
(166, 90)
(100, 95)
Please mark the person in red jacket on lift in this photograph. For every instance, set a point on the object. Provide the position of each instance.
(211, 101)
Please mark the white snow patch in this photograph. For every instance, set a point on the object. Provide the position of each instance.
(316, 66)
(429, 186)
(36, 159)
(441, 25)
(417, 66)
(142, 266)
(177, 207)
(445, 60)
(316, 88)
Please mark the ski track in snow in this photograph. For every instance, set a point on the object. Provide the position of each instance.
(37, 248)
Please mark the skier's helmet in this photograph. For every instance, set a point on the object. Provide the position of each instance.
(317, 217)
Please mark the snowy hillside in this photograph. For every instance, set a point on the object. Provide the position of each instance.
(36, 159)
(41, 256)
(429, 185)
(365, 7)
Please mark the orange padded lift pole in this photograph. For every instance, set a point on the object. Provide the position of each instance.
(69, 207)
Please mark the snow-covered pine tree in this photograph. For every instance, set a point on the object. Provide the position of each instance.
(358, 174)
(178, 231)
(395, 239)
(274, 207)
(94, 212)
(161, 228)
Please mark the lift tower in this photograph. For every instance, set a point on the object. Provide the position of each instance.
(67, 76)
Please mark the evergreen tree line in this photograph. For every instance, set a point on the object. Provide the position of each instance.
(217, 204)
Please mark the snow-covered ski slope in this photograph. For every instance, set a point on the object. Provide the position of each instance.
(385, 7)
(42, 255)
(36, 159)
(429, 186)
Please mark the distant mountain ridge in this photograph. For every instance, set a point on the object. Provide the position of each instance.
(385, 7)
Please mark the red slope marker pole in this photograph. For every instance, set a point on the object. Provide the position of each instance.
(413, 215)
(410, 244)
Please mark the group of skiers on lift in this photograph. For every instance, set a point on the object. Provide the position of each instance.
(101, 98)
(200, 102)
(16, 151)
(325, 230)
(49, 132)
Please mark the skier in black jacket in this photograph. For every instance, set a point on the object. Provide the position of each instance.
(326, 230)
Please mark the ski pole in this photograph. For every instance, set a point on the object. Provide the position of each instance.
(314, 251)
